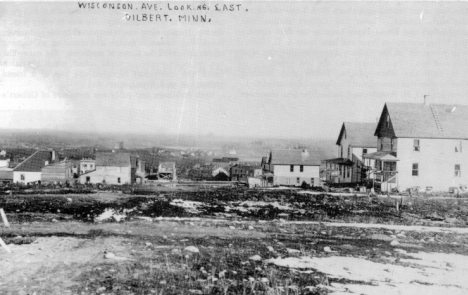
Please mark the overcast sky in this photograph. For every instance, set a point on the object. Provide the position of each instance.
(279, 69)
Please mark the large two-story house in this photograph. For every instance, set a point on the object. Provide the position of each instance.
(292, 167)
(354, 140)
(421, 145)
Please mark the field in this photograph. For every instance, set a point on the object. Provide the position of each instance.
(230, 241)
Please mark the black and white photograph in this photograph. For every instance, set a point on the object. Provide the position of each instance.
(233, 147)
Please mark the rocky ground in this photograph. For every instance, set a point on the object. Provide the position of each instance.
(239, 242)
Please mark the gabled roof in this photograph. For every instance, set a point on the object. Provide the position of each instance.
(359, 134)
(293, 157)
(113, 159)
(35, 162)
(420, 120)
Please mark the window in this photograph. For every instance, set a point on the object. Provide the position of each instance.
(457, 170)
(349, 151)
(364, 151)
(381, 143)
(301, 168)
(416, 145)
(391, 144)
(458, 149)
(298, 180)
(387, 121)
(341, 152)
(85, 166)
(91, 166)
(291, 168)
(88, 179)
(415, 169)
(348, 170)
(118, 180)
(22, 177)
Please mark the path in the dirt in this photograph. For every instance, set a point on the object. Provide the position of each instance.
(428, 229)
(49, 265)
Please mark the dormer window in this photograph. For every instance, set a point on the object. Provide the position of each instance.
(391, 144)
(387, 121)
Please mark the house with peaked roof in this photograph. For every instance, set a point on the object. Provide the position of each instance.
(30, 170)
(292, 167)
(110, 168)
(354, 140)
(422, 145)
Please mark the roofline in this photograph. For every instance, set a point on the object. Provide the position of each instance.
(417, 137)
(365, 146)
(300, 164)
(14, 169)
(341, 132)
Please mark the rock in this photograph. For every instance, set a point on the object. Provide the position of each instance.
(270, 248)
(388, 253)
(380, 237)
(175, 251)
(255, 258)
(293, 251)
(112, 256)
(145, 218)
(192, 249)
(401, 235)
(54, 220)
(148, 244)
(251, 228)
(264, 280)
(69, 199)
(347, 247)
(232, 227)
(394, 243)
(400, 251)
(328, 250)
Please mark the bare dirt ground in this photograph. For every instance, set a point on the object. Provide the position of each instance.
(68, 247)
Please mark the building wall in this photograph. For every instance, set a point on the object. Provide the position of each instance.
(4, 163)
(109, 174)
(28, 177)
(57, 172)
(436, 160)
(352, 174)
(283, 175)
(90, 166)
